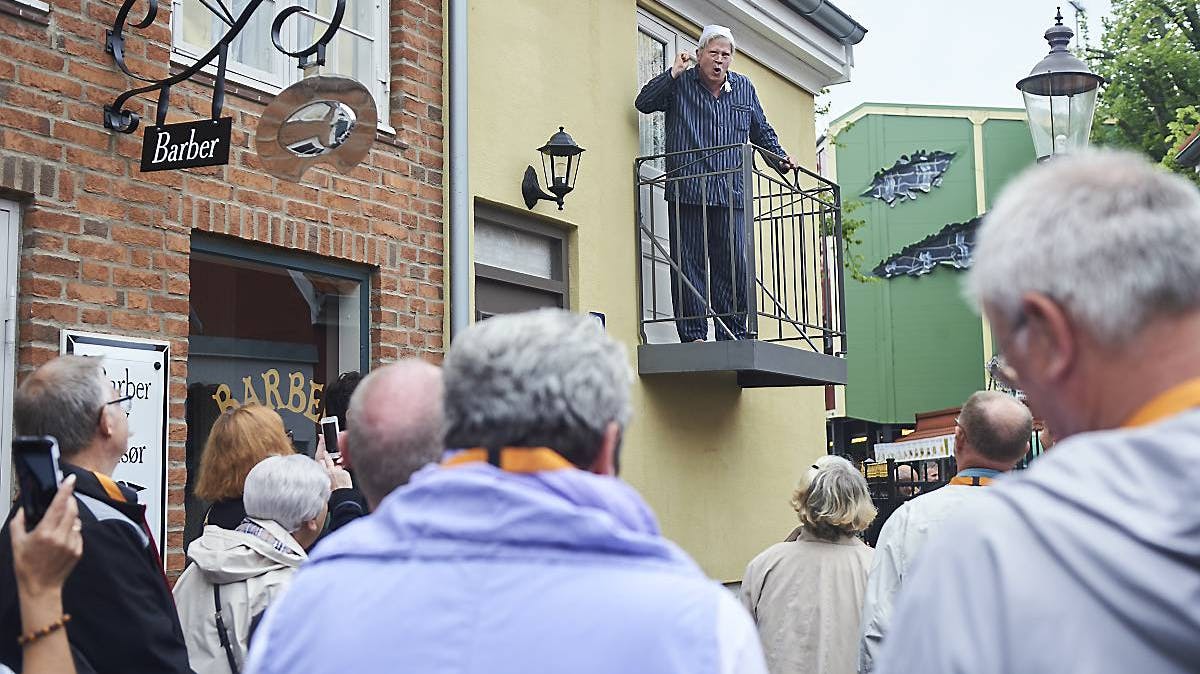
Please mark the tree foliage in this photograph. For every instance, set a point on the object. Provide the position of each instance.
(1150, 56)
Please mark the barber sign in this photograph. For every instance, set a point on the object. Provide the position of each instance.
(187, 145)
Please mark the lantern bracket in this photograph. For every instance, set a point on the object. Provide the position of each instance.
(532, 190)
(118, 118)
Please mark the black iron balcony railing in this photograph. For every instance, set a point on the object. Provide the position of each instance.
(780, 278)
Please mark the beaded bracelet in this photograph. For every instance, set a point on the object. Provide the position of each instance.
(26, 639)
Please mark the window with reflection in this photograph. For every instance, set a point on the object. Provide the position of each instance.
(273, 331)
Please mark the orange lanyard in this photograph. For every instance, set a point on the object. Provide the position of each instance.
(513, 459)
(1174, 400)
(971, 481)
(110, 487)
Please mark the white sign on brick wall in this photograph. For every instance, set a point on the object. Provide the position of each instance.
(140, 368)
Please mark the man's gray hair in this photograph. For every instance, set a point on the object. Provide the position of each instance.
(63, 398)
(715, 32)
(997, 425)
(1107, 235)
(289, 490)
(395, 425)
(546, 378)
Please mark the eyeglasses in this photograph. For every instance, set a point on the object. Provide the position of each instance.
(126, 403)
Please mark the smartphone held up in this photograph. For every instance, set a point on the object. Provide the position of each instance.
(38, 472)
(329, 431)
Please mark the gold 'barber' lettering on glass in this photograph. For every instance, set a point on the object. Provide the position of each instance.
(300, 398)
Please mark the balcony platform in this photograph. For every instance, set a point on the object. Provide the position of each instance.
(758, 364)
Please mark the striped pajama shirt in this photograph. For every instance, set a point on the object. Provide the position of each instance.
(696, 120)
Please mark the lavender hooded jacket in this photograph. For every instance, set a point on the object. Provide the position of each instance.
(472, 570)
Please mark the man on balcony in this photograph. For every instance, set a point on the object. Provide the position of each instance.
(707, 106)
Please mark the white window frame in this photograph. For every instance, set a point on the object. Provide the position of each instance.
(672, 36)
(675, 40)
(286, 71)
(654, 265)
(10, 227)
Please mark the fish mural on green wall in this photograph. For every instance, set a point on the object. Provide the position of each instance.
(909, 176)
(953, 246)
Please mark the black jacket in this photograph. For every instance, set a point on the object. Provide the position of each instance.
(345, 505)
(123, 618)
(227, 513)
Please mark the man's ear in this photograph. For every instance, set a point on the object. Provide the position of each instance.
(1052, 339)
(606, 460)
(314, 525)
(105, 426)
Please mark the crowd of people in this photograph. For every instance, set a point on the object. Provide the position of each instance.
(485, 528)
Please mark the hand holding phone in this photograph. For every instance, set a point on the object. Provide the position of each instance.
(338, 476)
(45, 556)
(329, 432)
(37, 462)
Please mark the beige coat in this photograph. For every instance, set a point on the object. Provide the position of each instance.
(806, 598)
(252, 573)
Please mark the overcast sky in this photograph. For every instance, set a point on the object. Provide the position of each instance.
(948, 52)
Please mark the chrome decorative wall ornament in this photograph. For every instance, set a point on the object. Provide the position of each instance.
(318, 120)
(117, 118)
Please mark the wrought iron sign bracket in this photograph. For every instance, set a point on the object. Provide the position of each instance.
(119, 119)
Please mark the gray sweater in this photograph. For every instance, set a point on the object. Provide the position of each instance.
(1087, 562)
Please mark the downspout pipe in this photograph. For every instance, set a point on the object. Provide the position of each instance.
(459, 234)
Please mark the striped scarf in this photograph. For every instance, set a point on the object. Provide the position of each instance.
(249, 526)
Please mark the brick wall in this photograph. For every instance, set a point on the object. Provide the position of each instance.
(105, 248)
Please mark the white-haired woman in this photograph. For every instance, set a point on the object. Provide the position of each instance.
(243, 570)
(806, 594)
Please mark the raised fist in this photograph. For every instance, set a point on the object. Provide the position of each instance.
(684, 61)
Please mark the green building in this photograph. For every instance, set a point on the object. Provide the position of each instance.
(922, 174)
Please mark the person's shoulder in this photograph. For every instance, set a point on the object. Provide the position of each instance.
(895, 523)
(101, 520)
(768, 558)
(1170, 441)
(947, 496)
(964, 531)
(776, 551)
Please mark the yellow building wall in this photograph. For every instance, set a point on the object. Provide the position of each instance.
(716, 463)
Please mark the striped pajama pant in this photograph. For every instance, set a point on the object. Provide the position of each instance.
(691, 251)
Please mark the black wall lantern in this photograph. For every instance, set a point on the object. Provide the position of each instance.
(560, 166)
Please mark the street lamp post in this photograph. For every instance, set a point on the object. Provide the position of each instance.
(1060, 97)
